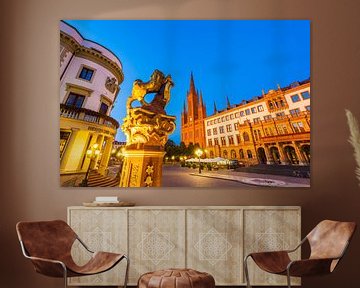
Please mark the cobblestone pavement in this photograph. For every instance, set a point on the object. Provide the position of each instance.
(256, 179)
(181, 176)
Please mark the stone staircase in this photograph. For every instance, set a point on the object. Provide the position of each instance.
(95, 179)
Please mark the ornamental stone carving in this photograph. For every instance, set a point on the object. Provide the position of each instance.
(110, 84)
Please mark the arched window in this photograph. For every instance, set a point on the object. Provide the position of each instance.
(271, 105)
(246, 137)
(211, 154)
(241, 154)
(249, 154)
(225, 153)
(233, 154)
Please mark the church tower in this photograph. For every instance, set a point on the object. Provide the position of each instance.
(192, 117)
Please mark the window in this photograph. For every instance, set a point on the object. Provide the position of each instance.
(210, 142)
(282, 129)
(280, 115)
(209, 132)
(221, 129)
(246, 137)
(249, 154)
(233, 154)
(255, 135)
(228, 128)
(216, 141)
(253, 110)
(298, 127)
(241, 154)
(267, 132)
(236, 126)
(232, 116)
(267, 117)
(103, 108)
(223, 141)
(238, 138)
(225, 154)
(227, 117)
(305, 95)
(295, 112)
(237, 114)
(295, 98)
(260, 108)
(64, 137)
(223, 119)
(215, 131)
(256, 120)
(211, 122)
(215, 121)
(75, 100)
(242, 114)
(208, 123)
(247, 111)
(231, 140)
(307, 108)
(86, 74)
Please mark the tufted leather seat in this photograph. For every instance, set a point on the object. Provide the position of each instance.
(176, 278)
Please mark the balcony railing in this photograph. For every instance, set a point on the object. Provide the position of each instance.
(87, 115)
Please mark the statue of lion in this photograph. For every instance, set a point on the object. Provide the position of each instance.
(140, 88)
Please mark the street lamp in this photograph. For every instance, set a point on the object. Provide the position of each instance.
(91, 153)
(199, 153)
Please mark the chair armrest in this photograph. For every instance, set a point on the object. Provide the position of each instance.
(84, 245)
(49, 267)
(309, 267)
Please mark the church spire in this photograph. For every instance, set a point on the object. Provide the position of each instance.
(184, 111)
(228, 102)
(215, 109)
(201, 99)
(192, 84)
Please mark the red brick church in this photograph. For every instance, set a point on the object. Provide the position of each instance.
(192, 117)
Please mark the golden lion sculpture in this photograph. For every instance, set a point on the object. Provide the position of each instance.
(159, 84)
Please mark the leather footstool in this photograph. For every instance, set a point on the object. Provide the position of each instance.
(176, 278)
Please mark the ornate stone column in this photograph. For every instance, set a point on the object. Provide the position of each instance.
(283, 157)
(269, 157)
(105, 156)
(146, 129)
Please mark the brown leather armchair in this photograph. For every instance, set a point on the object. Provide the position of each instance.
(48, 245)
(328, 242)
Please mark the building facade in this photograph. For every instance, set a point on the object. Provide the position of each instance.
(90, 75)
(192, 117)
(270, 129)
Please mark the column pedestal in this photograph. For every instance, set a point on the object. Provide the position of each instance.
(142, 167)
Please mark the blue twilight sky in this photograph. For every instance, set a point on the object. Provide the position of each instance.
(229, 58)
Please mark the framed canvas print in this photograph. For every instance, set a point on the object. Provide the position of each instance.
(185, 103)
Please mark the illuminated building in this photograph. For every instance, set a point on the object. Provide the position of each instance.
(273, 128)
(90, 75)
(192, 117)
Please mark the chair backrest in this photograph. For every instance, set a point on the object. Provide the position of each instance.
(329, 239)
(46, 239)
